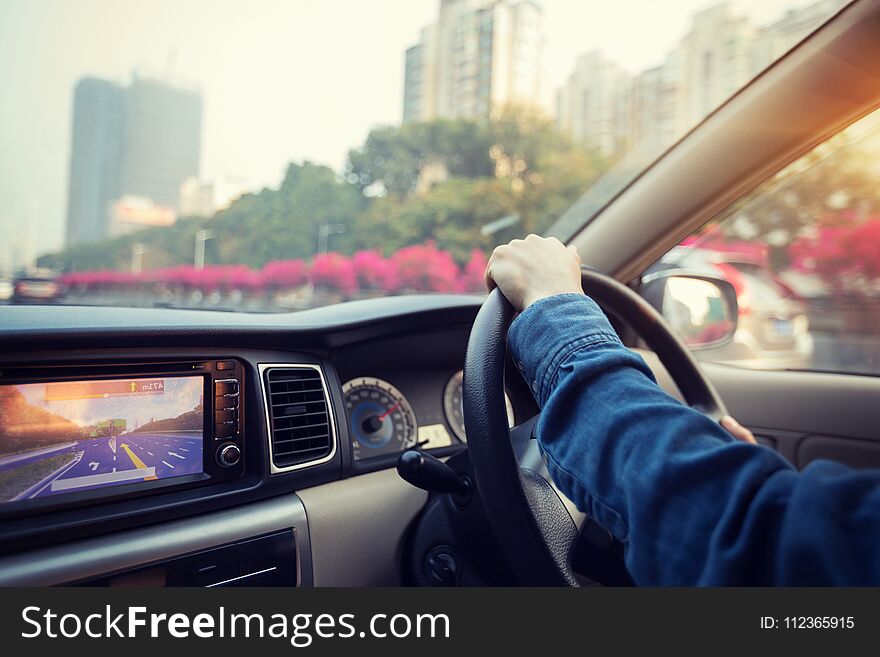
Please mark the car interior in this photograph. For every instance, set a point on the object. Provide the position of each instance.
(304, 483)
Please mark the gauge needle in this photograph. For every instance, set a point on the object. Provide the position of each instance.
(389, 411)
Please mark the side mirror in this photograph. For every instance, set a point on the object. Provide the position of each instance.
(701, 310)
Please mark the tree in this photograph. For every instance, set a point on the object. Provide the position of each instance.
(451, 214)
(393, 158)
(284, 223)
(441, 181)
(546, 170)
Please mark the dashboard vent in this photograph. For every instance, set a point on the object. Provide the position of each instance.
(300, 426)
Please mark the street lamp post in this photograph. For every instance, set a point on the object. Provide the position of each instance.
(202, 236)
(137, 257)
(324, 233)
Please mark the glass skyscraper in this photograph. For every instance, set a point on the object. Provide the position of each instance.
(141, 140)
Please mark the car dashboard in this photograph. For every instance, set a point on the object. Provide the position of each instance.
(191, 437)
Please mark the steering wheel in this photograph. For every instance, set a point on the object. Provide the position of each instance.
(536, 532)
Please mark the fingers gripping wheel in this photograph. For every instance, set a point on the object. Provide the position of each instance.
(527, 516)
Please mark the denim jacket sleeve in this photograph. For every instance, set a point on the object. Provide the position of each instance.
(691, 504)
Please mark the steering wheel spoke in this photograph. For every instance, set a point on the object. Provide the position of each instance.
(522, 436)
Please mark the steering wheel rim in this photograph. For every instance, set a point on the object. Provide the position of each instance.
(530, 521)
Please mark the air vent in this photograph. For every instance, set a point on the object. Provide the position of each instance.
(300, 425)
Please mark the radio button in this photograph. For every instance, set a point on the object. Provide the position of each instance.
(229, 430)
(226, 388)
(226, 416)
(228, 455)
(225, 365)
(226, 404)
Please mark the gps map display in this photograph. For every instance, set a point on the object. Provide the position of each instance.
(71, 436)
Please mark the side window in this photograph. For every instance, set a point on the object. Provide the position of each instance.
(802, 253)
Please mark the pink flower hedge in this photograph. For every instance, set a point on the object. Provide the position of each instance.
(473, 274)
(418, 268)
(375, 272)
(425, 268)
(333, 271)
(840, 252)
(100, 279)
(285, 274)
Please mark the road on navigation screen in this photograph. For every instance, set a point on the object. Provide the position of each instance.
(124, 459)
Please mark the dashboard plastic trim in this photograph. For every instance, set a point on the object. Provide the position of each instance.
(133, 548)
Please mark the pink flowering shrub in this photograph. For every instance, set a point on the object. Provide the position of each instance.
(238, 277)
(100, 280)
(333, 271)
(180, 276)
(284, 274)
(840, 253)
(472, 275)
(425, 268)
(211, 278)
(418, 268)
(863, 248)
(375, 272)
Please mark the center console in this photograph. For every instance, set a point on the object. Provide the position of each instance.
(152, 466)
(73, 436)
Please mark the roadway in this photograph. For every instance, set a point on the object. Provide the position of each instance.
(130, 458)
(23, 458)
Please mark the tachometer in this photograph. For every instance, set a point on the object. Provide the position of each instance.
(381, 420)
(452, 405)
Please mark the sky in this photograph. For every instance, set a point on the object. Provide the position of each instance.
(181, 395)
(282, 80)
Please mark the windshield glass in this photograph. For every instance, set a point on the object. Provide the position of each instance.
(263, 155)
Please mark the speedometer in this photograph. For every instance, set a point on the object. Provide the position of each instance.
(452, 405)
(381, 420)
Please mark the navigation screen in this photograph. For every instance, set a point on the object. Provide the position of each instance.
(72, 436)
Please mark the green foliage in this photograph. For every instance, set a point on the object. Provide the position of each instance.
(451, 214)
(442, 181)
(394, 157)
(284, 223)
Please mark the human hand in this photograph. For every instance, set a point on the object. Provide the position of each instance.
(534, 268)
(737, 430)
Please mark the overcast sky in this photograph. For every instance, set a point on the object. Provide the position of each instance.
(181, 395)
(283, 80)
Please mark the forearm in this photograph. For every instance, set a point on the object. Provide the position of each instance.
(661, 477)
(692, 505)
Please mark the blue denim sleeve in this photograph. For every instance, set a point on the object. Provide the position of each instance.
(691, 504)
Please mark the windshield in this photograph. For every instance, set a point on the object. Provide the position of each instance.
(268, 155)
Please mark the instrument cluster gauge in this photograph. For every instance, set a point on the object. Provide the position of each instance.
(452, 405)
(380, 419)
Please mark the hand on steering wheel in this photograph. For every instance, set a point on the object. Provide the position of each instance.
(531, 269)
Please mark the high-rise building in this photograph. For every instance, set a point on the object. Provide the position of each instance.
(142, 140)
(480, 54)
(592, 105)
(96, 158)
(714, 60)
(638, 117)
(419, 84)
(162, 140)
(655, 117)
